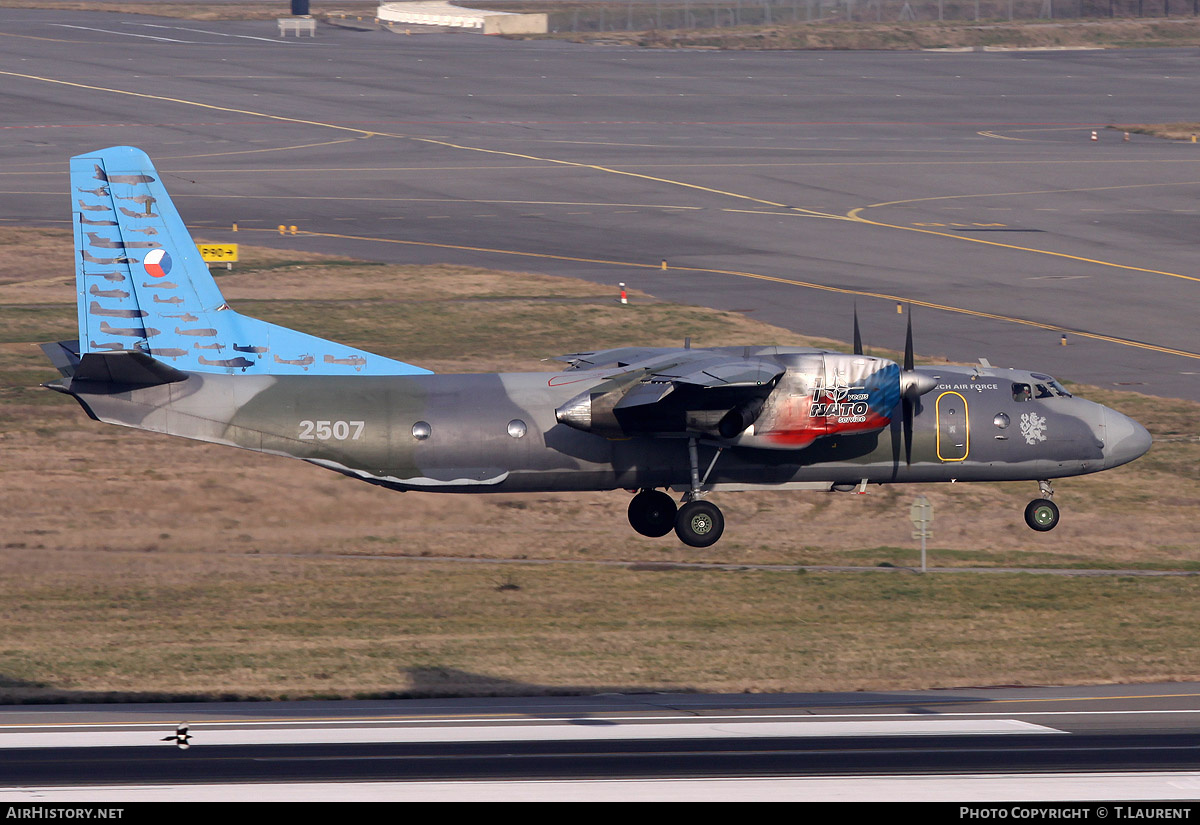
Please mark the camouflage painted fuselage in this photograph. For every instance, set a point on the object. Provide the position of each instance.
(499, 432)
(159, 349)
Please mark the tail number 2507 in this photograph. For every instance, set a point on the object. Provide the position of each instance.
(331, 430)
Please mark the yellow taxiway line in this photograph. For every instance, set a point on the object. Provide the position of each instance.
(761, 277)
(854, 215)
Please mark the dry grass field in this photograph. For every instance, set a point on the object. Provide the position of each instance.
(1072, 34)
(1168, 131)
(139, 565)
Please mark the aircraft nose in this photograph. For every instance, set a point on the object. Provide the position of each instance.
(1125, 439)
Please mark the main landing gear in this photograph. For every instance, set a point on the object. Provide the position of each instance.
(697, 523)
(1042, 514)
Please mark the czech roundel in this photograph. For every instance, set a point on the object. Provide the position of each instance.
(157, 263)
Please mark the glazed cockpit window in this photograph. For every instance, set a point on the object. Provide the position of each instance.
(1021, 392)
(1054, 388)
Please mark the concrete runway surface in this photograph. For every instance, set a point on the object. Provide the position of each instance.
(1109, 742)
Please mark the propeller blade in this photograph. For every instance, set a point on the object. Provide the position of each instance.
(907, 407)
(858, 349)
(912, 387)
(908, 345)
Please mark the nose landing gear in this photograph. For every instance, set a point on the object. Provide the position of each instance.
(1041, 514)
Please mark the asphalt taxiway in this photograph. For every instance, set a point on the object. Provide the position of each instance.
(788, 185)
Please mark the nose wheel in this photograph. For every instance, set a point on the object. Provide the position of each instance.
(1041, 514)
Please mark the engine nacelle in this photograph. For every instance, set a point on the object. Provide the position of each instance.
(827, 394)
(592, 412)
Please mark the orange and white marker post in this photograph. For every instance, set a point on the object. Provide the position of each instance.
(624, 297)
(1095, 137)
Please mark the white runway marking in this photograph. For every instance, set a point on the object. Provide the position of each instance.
(222, 34)
(123, 34)
(584, 730)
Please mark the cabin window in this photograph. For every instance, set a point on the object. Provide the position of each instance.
(1021, 392)
(421, 430)
(1001, 420)
(517, 428)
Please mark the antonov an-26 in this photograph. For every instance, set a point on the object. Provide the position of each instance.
(160, 350)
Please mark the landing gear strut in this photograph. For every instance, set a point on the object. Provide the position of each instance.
(699, 523)
(1042, 514)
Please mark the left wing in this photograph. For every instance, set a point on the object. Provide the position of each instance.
(670, 392)
(767, 397)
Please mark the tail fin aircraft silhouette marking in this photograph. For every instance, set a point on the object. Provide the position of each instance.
(129, 176)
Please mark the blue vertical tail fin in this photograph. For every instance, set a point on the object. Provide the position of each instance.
(142, 285)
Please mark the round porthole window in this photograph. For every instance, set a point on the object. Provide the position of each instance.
(421, 430)
(517, 428)
(1001, 420)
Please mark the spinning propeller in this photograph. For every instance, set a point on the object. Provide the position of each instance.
(912, 383)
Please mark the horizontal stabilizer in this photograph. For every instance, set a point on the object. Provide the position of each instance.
(64, 355)
(128, 368)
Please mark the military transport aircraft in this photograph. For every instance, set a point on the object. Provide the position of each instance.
(693, 421)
